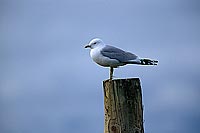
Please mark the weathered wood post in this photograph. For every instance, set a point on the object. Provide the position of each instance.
(123, 106)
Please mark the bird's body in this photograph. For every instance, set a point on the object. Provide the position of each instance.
(109, 56)
(102, 60)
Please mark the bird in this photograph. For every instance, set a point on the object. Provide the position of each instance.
(113, 57)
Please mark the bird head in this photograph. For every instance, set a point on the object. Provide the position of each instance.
(94, 43)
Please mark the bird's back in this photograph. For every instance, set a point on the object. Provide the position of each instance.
(118, 54)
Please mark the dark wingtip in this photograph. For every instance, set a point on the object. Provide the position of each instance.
(155, 62)
(149, 62)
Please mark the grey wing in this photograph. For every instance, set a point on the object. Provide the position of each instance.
(118, 54)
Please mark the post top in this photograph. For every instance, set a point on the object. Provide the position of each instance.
(123, 80)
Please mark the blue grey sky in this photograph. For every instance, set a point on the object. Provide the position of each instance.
(48, 82)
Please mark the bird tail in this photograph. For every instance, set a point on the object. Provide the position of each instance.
(148, 62)
(143, 61)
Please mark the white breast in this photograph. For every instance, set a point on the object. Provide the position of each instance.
(102, 60)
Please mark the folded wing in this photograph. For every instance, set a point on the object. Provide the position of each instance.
(118, 54)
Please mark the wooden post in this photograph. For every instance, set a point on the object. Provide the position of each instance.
(123, 106)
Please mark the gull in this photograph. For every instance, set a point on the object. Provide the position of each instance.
(110, 56)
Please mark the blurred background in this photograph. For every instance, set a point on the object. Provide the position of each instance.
(49, 84)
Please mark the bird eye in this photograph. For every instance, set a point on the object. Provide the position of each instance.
(95, 43)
